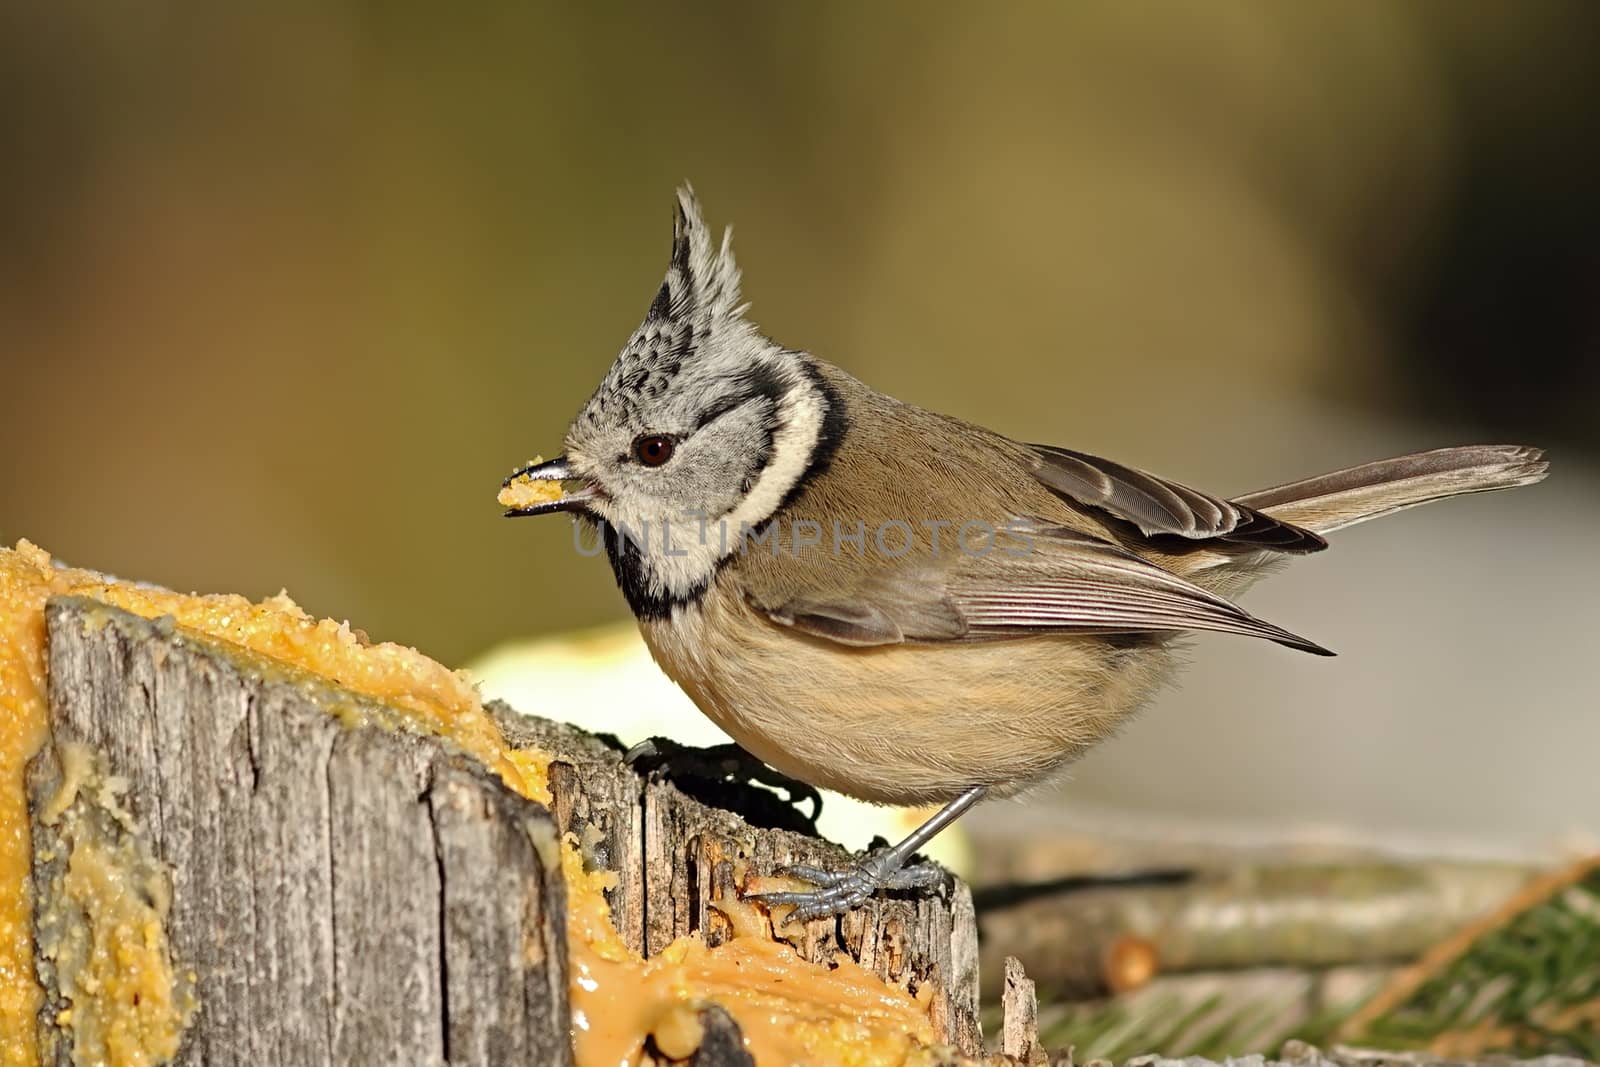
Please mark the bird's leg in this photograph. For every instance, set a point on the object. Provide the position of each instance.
(720, 764)
(884, 869)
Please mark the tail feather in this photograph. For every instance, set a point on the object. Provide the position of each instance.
(1333, 501)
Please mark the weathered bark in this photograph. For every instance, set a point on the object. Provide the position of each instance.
(342, 892)
(678, 858)
(1019, 1006)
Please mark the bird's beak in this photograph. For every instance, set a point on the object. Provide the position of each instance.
(555, 470)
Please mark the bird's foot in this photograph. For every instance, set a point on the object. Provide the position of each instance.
(722, 765)
(836, 892)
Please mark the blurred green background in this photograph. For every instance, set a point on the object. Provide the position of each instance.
(285, 290)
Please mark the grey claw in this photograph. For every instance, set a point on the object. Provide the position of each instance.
(840, 891)
(779, 897)
(836, 893)
(806, 873)
(646, 749)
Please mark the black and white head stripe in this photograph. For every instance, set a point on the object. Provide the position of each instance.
(806, 425)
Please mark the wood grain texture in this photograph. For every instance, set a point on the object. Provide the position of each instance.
(1019, 1004)
(678, 859)
(343, 891)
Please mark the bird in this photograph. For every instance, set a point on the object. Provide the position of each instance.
(899, 605)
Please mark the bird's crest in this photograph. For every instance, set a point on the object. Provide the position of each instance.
(702, 283)
(695, 323)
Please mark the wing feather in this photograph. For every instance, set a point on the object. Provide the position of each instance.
(1079, 583)
(1072, 583)
(1159, 507)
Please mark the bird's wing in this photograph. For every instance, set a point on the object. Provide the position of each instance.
(885, 613)
(1071, 581)
(1045, 580)
(1161, 508)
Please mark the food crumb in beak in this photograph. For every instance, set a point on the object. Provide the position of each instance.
(526, 492)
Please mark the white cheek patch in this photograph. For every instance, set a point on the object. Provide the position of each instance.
(793, 444)
(679, 557)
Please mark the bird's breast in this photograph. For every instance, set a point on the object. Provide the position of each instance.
(900, 724)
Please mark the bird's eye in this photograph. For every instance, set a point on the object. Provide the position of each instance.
(653, 449)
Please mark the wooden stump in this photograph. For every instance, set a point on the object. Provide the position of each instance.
(341, 891)
(329, 889)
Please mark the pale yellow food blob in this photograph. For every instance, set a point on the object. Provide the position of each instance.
(525, 492)
(791, 1011)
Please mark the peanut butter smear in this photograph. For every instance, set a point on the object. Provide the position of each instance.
(791, 1012)
(23, 590)
(101, 924)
